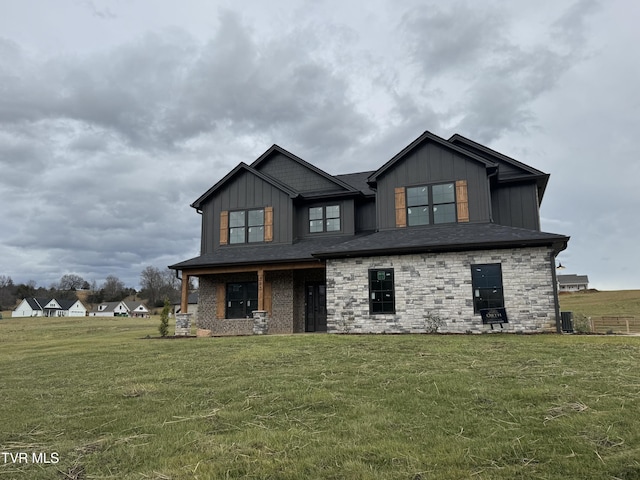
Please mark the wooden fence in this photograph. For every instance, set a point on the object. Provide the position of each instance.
(610, 324)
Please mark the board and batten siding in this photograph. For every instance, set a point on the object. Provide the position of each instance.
(347, 218)
(516, 205)
(297, 176)
(429, 164)
(247, 191)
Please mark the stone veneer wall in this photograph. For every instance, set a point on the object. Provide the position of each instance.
(440, 285)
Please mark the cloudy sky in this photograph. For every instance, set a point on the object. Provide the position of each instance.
(116, 115)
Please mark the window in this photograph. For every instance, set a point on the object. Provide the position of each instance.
(246, 226)
(431, 204)
(324, 219)
(242, 299)
(487, 286)
(381, 291)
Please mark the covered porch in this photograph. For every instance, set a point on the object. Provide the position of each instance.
(261, 298)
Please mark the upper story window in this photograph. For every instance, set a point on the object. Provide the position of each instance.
(324, 219)
(246, 226)
(431, 204)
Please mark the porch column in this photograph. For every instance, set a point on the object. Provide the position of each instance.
(184, 297)
(261, 289)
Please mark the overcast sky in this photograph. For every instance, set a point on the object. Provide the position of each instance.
(116, 115)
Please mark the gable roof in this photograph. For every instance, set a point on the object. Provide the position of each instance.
(67, 304)
(37, 303)
(109, 306)
(242, 168)
(276, 149)
(134, 305)
(429, 137)
(518, 170)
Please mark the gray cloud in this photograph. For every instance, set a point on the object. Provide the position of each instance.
(103, 146)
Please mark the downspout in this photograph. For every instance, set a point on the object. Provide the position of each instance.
(556, 299)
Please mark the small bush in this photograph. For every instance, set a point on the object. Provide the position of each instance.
(433, 323)
(581, 323)
(164, 319)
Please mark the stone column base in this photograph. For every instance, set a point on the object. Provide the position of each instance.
(260, 322)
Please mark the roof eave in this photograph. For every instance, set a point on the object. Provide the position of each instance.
(558, 245)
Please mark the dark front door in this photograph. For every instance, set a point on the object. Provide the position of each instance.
(316, 307)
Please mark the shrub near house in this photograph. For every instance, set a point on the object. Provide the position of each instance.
(445, 229)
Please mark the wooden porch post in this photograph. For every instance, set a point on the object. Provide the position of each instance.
(261, 289)
(184, 298)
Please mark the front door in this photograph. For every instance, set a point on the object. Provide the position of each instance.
(315, 307)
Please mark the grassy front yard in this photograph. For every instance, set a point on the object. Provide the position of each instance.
(113, 405)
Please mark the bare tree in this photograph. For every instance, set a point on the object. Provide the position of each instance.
(71, 282)
(158, 285)
(113, 289)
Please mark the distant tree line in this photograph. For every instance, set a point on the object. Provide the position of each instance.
(156, 286)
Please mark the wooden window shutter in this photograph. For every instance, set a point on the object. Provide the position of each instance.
(268, 224)
(220, 300)
(462, 201)
(401, 207)
(224, 227)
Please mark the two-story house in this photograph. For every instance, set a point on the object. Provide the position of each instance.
(445, 233)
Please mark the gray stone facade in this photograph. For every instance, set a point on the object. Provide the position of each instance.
(435, 290)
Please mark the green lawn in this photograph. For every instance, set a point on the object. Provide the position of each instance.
(605, 303)
(113, 405)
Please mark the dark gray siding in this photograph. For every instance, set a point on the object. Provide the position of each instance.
(516, 205)
(347, 218)
(366, 216)
(295, 175)
(505, 169)
(432, 163)
(244, 192)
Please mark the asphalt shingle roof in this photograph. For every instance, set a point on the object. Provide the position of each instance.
(300, 250)
(443, 238)
(434, 238)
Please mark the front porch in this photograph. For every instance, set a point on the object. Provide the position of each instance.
(289, 298)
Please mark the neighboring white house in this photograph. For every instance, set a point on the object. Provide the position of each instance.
(137, 309)
(40, 307)
(73, 308)
(29, 307)
(119, 309)
(573, 283)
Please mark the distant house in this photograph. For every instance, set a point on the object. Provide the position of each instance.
(192, 305)
(30, 307)
(137, 309)
(109, 309)
(42, 307)
(119, 309)
(573, 283)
